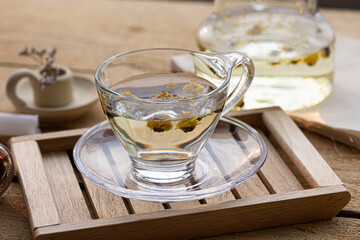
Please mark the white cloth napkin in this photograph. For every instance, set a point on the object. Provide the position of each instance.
(18, 124)
(342, 108)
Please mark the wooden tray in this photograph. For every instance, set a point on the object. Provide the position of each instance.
(295, 185)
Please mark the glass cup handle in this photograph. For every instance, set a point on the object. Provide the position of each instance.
(234, 60)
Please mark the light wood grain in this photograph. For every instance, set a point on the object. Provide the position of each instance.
(277, 209)
(225, 159)
(136, 206)
(299, 149)
(219, 198)
(69, 200)
(212, 164)
(110, 27)
(95, 31)
(251, 187)
(227, 196)
(105, 203)
(345, 163)
(53, 141)
(276, 174)
(139, 206)
(29, 161)
(184, 204)
(335, 229)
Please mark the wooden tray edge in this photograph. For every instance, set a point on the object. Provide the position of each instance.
(261, 212)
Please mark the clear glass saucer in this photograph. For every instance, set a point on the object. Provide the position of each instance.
(233, 154)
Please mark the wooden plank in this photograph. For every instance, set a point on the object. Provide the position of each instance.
(345, 163)
(252, 117)
(223, 197)
(113, 168)
(185, 204)
(335, 228)
(275, 174)
(53, 141)
(35, 186)
(105, 203)
(251, 187)
(139, 206)
(233, 216)
(69, 200)
(299, 149)
(226, 196)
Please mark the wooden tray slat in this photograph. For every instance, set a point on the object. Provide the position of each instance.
(186, 204)
(105, 203)
(226, 196)
(136, 206)
(36, 185)
(309, 161)
(276, 174)
(139, 206)
(65, 188)
(53, 141)
(223, 197)
(253, 187)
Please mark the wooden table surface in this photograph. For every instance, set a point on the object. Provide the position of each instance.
(87, 32)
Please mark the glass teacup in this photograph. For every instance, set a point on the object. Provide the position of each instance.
(163, 104)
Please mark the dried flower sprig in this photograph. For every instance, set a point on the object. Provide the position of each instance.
(46, 60)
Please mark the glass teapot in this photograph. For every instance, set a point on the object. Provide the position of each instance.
(291, 44)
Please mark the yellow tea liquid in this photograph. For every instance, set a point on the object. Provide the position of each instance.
(293, 55)
(165, 132)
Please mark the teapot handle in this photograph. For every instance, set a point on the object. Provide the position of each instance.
(236, 60)
(12, 83)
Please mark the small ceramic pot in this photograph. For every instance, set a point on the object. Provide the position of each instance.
(57, 94)
(6, 169)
